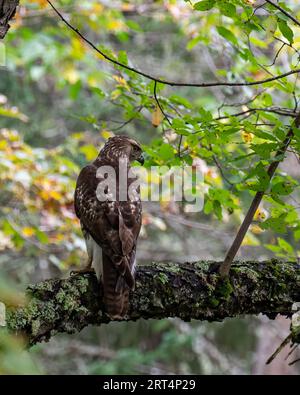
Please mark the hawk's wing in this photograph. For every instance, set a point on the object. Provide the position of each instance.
(113, 225)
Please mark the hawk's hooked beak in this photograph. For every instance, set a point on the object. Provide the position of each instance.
(141, 159)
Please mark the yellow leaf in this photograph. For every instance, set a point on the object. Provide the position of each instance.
(257, 230)
(3, 144)
(261, 214)
(247, 137)
(115, 94)
(44, 195)
(250, 240)
(97, 8)
(55, 195)
(106, 134)
(77, 48)
(157, 116)
(41, 3)
(99, 55)
(27, 231)
(92, 81)
(127, 7)
(115, 25)
(121, 81)
(71, 75)
(77, 136)
(89, 151)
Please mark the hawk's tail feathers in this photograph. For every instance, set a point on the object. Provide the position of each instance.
(123, 268)
(116, 289)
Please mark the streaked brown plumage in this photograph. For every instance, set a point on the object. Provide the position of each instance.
(110, 227)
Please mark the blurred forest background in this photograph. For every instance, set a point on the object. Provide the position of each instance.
(59, 101)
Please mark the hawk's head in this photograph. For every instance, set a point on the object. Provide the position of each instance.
(122, 147)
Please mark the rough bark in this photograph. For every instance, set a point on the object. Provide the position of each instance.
(186, 290)
(7, 12)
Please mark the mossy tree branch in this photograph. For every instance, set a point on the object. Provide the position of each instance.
(187, 290)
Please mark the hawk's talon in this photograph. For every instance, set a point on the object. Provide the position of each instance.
(87, 270)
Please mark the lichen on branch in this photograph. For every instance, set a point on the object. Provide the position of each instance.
(184, 290)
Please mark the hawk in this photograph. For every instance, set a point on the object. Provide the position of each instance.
(111, 225)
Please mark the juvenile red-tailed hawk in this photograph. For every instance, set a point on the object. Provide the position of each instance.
(111, 225)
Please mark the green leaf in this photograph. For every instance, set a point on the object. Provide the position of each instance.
(98, 92)
(286, 31)
(264, 135)
(13, 113)
(263, 176)
(267, 99)
(206, 116)
(180, 100)
(123, 57)
(282, 188)
(270, 24)
(276, 224)
(217, 209)
(208, 207)
(204, 5)
(297, 235)
(227, 34)
(285, 245)
(133, 25)
(227, 9)
(264, 150)
(273, 248)
(166, 152)
(193, 42)
(74, 90)
(259, 43)
(42, 237)
(180, 127)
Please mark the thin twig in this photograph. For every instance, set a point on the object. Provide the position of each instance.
(159, 105)
(295, 361)
(276, 56)
(254, 11)
(286, 43)
(166, 116)
(294, 91)
(291, 351)
(282, 345)
(179, 145)
(245, 103)
(163, 81)
(291, 17)
(127, 122)
(217, 163)
(279, 111)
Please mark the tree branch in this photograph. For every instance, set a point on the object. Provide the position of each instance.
(225, 266)
(280, 111)
(7, 12)
(284, 12)
(187, 290)
(163, 81)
